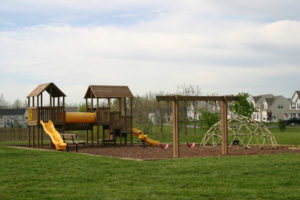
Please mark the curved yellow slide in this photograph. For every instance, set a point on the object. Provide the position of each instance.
(54, 135)
(144, 137)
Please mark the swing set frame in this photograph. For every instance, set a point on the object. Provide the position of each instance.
(175, 99)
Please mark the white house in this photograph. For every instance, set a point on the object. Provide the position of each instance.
(294, 111)
(270, 108)
(13, 117)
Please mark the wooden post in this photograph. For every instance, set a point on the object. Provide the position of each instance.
(131, 120)
(29, 138)
(103, 135)
(175, 129)
(38, 124)
(125, 107)
(224, 127)
(120, 117)
(98, 131)
(28, 101)
(33, 136)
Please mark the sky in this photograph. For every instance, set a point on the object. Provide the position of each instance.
(223, 46)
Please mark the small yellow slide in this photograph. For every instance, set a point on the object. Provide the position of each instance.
(144, 137)
(54, 135)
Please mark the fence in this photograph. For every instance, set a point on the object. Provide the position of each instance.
(15, 136)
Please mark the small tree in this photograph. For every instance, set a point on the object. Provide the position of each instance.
(243, 107)
(3, 103)
(281, 125)
(208, 119)
(82, 107)
(17, 103)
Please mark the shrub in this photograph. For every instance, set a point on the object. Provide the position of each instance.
(281, 125)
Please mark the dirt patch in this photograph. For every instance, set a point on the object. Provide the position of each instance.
(156, 153)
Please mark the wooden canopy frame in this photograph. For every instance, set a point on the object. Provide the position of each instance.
(108, 92)
(224, 109)
(37, 111)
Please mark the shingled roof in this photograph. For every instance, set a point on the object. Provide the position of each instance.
(56, 92)
(105, 91)
(12, 111)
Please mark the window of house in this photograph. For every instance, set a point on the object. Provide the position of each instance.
(293, 106)
(298, 105)
(280, 106)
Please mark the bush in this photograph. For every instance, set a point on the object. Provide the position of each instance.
(281, 125)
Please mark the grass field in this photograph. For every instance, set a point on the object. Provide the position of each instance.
(291, 136)
(34, 174)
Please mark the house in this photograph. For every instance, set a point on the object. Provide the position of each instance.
(166, 115)
(13, 117)
(294, 111)
(270, 108)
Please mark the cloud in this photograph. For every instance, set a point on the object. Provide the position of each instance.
(223, 46)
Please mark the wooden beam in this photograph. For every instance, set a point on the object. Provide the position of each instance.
(29, 138)
(224, 128)
(131, 123)
(86, 104)
(125, 107)
(196, 98)
(175, 130)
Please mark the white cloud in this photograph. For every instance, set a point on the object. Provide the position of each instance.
(180, 46)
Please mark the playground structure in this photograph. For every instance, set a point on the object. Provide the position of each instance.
(118, 122)
(116, 119)
(241, 131)
(175, 108)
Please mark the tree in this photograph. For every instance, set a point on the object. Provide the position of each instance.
(17, 103)
(188, 90)
(3, 103)
(243, 107)
(82, 107)
(208, 119)
(281, 125)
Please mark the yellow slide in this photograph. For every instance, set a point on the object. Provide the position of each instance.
(54, 135)
(144, 137)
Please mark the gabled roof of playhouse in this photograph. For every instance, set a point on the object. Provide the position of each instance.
(50, 88)
(107, 91)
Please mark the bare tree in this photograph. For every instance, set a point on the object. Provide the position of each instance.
(17, 103)
(3, 102)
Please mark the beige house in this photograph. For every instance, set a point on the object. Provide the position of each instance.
(294, 111)
(270, 108)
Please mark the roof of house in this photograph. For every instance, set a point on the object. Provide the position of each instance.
(104, 91)
(51, 88)
(71, 109)
(257, 98)
(12, 111)
(270, 100)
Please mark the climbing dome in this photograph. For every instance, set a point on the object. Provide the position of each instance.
(242, 131)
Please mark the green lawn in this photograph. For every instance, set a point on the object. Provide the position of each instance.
(291, 136)
(34, 174)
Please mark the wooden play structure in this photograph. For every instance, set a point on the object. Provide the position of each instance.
(117, 123)
(175, 107)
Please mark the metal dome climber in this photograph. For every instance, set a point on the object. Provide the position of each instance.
(241, 131)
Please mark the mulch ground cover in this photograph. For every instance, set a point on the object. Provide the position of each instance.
(137, 151)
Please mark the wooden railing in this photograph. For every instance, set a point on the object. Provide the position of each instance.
(56, 114)
(115, 120)
(126, 124)
(102, 116)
